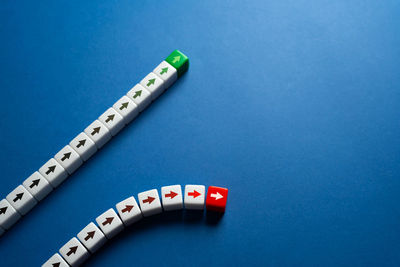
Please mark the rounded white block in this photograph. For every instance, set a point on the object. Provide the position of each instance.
(172, 197)
(92, 237)
(129, 211)
(21, 200)
(98, 133)
(113, 121)
(140, 96)
(167, 73)
(38, 186)
(8, 215)
(69, 159)
(194, 197)
(53, 172)
(74, 252)
(127, 108)
(149, 202)
(110, 223)
(154, 84)
(84, 146)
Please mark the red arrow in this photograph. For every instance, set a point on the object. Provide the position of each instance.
(89, 235)
(127, 208)
(171, 194)
(108, 220)
(194, 194)
(148, 200)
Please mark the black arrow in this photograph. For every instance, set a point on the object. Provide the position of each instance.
(110, 118)
(57, 264)
(66, 156)
(3, 210)
(51, 169)
(18, 197)
(95, 130)
(124, 105)
(72, 250)
(90, 235)
(81, 143)
(35, 183)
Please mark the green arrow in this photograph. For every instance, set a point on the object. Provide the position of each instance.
(137, 93)
(151, 81)
(176, 59)
(164, 70)
(124, 105)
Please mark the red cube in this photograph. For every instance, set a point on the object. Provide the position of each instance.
(216, 198)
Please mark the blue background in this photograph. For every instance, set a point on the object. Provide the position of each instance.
(292, 105)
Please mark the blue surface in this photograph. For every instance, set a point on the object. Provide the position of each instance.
(292, 105)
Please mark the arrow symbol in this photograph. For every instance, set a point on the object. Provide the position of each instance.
(137, 93)
(81, 143)
(127, 208)
(72, 250)
(124, 105)
(110, 118)
(3, 210)
(95, 130)
(35, 183)
(108, 220)
(151, 81)
(148, 200)
(194, 194)
(164, 70)
(216, 196)
(176, 59)
(90, 235)
(51, 169)
(171, 194)
(66, 156)
(57, 264)
(18, 197)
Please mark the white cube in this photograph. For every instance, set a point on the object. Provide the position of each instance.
(69, 159)
(149, 202)
(194, 197)
(127, 108)
(21, 200)
(92, 237)
(55, 261)
(8, 215)
(129, 211)
(84, 146)
(172, 197)
(166, 72)
(110, 223)
(154, 84)
(113, 121)
(140, 96)
(38, 186)
(53, 172)
(98, 133)
(74, 252)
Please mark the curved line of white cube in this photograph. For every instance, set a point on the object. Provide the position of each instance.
(37, 186)
(110, 223)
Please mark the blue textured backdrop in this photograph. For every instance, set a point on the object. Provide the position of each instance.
(292, 105)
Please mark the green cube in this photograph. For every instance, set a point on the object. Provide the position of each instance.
(179, 61)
